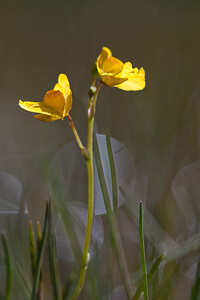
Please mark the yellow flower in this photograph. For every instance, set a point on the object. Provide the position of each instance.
(56, 104)
(113, 72)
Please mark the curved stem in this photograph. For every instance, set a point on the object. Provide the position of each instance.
(90, 169)
(82, 148)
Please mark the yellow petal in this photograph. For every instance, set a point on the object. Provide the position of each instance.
(38, 107)
(104, 55)
(109, 66)
(46, 118)
(111, 80)
(63, 85)
(127, 67)
(142, 71)
(112, 66)
(68, 104)
(55, 100)
(68, 100)
(106, 63)
(135, 82)
(63, 80)
(106, 51)
(58, 87)
(30, 106)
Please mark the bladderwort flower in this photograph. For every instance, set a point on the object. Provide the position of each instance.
(56, 105)
(113, 72)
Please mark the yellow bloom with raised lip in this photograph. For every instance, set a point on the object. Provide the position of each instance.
(56, 104)
(113, 72)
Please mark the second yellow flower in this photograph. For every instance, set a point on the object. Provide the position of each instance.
(113, 72)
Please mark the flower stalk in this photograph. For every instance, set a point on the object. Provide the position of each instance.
(84, 151)
(90, 169)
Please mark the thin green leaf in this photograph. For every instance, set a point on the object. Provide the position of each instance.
(117, 243)
(40, 254)
(119, 170)
(113, 172)
(39, 240)
(9, 268)
(53, 259)
(142, 253)
(187, 247)
(130, 209)
(149, 276)
(32, 246)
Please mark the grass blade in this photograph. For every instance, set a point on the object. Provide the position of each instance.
(40, 254)
(149, 276)
(9, 268)
(32, 246)
(117, 243)
(113, 172)
(53, 259)
(142, 253)
(39, 240)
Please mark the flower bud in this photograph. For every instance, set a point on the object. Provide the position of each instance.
(92, 91)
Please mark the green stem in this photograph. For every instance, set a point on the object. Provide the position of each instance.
(82, 148)
(142, 253)
(90, 169)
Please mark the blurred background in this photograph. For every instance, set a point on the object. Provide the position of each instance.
(159, 125)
